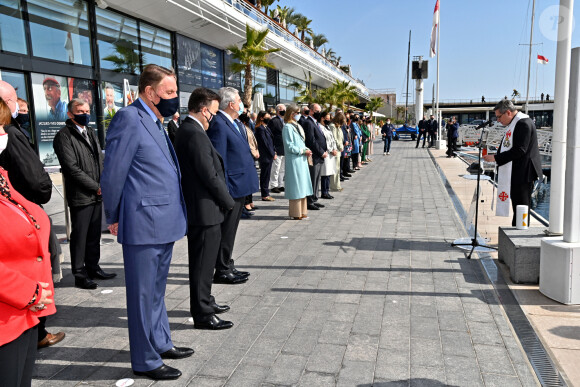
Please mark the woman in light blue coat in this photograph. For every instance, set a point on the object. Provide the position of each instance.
(297, 179)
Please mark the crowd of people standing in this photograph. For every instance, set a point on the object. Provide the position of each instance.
(196, 179)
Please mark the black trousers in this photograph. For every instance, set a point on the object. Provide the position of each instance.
(315, 175)
(521, 194)
(325, 185)
(432, 138)
(229, 227)
(85, 239)
(451, 145)
(203, 244)
(354, 158)
(17, 359)
(345, 164)
(265, 170)
(421, 134)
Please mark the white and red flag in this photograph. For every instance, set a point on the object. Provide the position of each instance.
(542, 59)
(434, 31)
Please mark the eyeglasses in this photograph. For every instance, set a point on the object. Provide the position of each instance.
(498, 117)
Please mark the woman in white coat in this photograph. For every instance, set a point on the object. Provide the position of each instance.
(329, 167)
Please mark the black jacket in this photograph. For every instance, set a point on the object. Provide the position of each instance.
(524, 154)
(315, 140)
(423, 125)
(202, 176)
(276, 125)
(25, 170)
(172, 130)
(265, 141)
(81, 163)
(432, 126)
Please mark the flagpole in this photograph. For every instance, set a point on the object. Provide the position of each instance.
(440, 143)
(530, 55)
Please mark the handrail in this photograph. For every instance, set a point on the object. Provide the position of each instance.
(261, 18)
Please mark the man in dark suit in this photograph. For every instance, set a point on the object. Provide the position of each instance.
(304, 113)
(145, 209)
(423, 127)
(241, 178)
(172, 127)
(316, 142)
(207, 199)
(268, 154)
(78, 151)
(275, 125)
(524, 154)
(432, 130)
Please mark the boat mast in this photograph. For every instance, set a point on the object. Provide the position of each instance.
(407, 94)
(530, 55)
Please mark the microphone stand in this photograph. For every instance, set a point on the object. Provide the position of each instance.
(461, 242)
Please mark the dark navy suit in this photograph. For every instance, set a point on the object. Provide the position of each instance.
(241, 180)
(316, 142)
(267, 151)
(142, 192)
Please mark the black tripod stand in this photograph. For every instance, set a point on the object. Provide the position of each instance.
(463, 243)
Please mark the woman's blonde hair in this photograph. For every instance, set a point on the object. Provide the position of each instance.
(291, 110)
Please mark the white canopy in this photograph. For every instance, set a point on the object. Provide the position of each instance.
(257, 103)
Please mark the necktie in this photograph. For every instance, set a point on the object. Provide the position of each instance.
(241, 128)
(86, 137)
(162, 133)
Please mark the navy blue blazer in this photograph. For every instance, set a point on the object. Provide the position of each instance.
(276, 125)
(265, 144)
(315, 140)
(241, 176)
(141, 180)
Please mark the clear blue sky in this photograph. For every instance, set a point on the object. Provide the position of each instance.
(480, 42)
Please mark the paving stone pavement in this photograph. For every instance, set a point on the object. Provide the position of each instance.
(367, 292)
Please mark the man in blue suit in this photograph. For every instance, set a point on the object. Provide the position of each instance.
(231, 142)
(145, 209)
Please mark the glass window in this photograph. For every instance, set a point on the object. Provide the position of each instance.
(59, 30)
(232, 79)
(212, 67)
(12, 27)
(118, 42)
(188, 61)
(155, 45)
(17, 81)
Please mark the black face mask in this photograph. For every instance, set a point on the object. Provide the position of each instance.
(23, 119)
(167, 107)
(82, 119)
(326, 122)
(282, 113)
(266, 121)
(317, 115)
(307, 112)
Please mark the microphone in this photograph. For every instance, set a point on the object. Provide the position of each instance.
(490, 122)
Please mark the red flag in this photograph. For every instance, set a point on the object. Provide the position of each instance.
(434, 29)
(542, 59)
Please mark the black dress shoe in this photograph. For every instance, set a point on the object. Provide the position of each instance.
(319, 205)
(85, 283)
(177, 353)
(100, 274)
(312, 207)
(241, 273)
(162, 373)
(228, 279)
(326, 196)
(214, 323)
(218, 309)
(282, 189)
(347, 175)
(275, 190)
(247, 212)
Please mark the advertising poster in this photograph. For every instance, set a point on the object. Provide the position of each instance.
(112, 97)
(85, 90)
(212, 67)
(51, 97)
(189, 61)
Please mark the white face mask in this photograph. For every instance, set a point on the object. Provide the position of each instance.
(15, 113)
(3, 142)
(296, 117)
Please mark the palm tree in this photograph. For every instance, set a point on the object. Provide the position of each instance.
(292, 17)
(374, 104)
(305, 95)
(345, 93)
(252, 53)
(283, 13)
(266, 4)
(329, 96)
(126, 58)
(318, 40)
(303, 26)
(331, 55)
